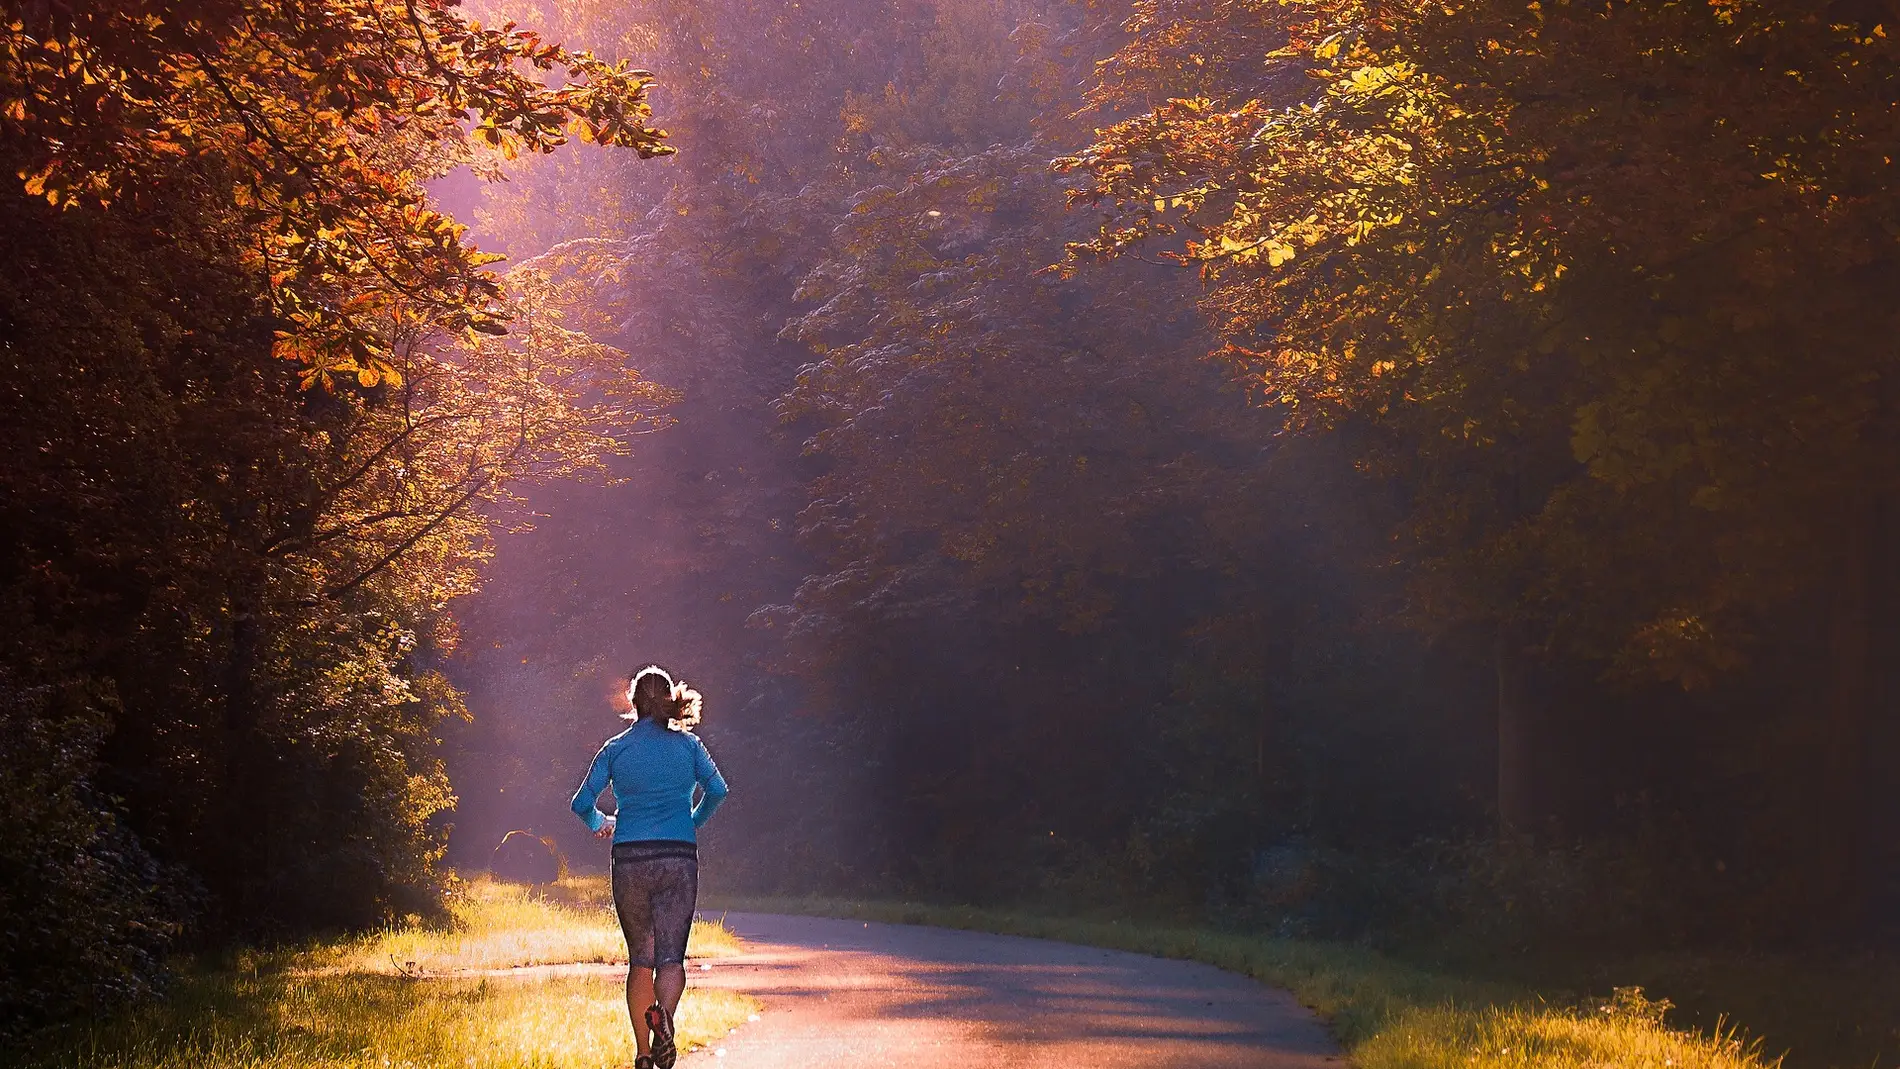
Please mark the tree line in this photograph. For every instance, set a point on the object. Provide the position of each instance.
(1359, 466)
(264, 407)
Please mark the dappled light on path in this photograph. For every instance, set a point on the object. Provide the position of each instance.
(878, 995)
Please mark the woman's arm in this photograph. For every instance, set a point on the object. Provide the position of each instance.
(583, 803)
(712, 785)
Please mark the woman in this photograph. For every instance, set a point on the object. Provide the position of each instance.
(654, 766)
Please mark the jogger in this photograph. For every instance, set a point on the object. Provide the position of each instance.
(655, 767)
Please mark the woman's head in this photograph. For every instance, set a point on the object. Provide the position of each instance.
(656, 697)
(649, 690)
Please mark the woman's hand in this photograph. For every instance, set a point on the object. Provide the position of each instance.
(606, 829)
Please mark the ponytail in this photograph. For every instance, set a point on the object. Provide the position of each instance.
(686, 703)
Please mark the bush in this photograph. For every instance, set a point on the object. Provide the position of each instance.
(1647, 892)
(89, 912)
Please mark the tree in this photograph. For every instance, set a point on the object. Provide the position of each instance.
(265, 416)
(418, 471)
(1637, 409)
(282, 112)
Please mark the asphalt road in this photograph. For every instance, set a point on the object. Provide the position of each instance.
(845, 994)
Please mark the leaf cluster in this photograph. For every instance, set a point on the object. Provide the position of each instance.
(281, 110)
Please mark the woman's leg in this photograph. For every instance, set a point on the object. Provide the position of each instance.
(675, 893)
(668, 983)
(639, 997)
(634, 903)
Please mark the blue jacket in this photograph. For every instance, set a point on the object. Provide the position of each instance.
(653, 771)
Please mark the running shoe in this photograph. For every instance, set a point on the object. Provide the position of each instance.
(664, 1052)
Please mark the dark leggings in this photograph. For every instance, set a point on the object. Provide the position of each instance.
(656, 886)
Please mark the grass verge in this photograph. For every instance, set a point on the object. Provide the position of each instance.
(1387, 1014)
(410, 997)
(496, 925)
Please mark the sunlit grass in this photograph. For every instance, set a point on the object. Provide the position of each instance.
(1387, 1014)
(496, 925)
(1447, 1037)
(361, 1003)
(583, 889)
(332, 1022)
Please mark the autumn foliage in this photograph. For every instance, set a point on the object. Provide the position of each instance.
(293, 119)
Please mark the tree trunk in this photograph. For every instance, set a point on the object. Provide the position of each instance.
(1264, 780)
(1882, 831)
(229, 873)
(1516, 800)
(1844, 813)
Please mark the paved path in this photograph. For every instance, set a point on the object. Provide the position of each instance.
(849, 995)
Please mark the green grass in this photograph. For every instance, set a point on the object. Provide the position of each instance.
(410, 997)
(1386, 1013)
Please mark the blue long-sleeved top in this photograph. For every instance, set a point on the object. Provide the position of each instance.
(653, 771)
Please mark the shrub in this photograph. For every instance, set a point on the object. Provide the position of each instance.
(89, 912)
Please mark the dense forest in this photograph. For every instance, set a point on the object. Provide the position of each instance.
(1366, 468)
